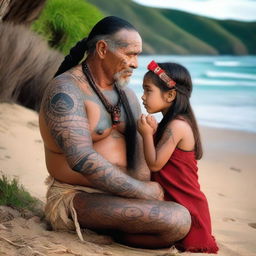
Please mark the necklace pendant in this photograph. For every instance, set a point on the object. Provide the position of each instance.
(115, 119)
(116, 116)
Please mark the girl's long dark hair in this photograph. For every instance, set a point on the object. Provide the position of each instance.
(181, 108)
(103, 29)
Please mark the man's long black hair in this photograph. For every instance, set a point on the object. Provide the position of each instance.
(108, 26)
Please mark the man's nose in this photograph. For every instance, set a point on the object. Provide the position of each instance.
(134, 62)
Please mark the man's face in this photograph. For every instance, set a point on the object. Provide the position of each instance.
(124, 58)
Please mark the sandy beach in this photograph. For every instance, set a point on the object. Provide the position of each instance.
(227, 175)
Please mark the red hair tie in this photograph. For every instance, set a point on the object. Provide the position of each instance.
(153, 66)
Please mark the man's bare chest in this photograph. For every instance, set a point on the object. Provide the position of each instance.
(100, 119)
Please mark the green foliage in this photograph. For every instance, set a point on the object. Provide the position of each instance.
(14, 195)
(64, 22)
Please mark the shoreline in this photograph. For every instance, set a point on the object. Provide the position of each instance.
(226, 174)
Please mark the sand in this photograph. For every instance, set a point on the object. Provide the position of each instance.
(227, 176)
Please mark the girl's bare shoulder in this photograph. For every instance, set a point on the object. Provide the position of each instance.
(179, 123)
(183, 133)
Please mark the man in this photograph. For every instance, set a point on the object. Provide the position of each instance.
(92, 149)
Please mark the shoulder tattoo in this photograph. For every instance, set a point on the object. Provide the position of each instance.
(167, 134)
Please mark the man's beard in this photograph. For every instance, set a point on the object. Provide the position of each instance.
(120, 80)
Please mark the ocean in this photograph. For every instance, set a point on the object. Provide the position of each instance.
(224, 88)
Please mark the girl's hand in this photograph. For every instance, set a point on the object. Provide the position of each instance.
(143, 126)
(152, 122)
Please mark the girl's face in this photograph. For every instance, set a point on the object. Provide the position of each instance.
(154, 100)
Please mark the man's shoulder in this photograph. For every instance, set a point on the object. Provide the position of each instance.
(64, 87)
(71, 80)
(66, 76)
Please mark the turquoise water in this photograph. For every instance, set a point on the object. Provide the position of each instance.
(224, 92)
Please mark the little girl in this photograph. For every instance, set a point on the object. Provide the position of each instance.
(173, 147)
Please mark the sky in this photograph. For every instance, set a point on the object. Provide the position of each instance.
(244, 10)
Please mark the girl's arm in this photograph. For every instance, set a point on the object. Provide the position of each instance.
(157, 157)
(147, 132)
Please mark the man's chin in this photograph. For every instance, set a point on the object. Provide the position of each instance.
(122, 82)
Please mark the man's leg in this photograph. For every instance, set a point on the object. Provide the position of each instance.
(142, 223)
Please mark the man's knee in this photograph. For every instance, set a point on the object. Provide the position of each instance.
(178, 224)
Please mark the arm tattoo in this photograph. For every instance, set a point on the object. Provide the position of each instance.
(66, 118)
(166, 136)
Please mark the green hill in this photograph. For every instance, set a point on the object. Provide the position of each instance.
(207, 30)
(167, 31)
(246, 32)
(164, 31)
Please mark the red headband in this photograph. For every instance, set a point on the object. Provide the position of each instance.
(153, 66)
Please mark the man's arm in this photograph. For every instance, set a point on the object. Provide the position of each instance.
(66, 118)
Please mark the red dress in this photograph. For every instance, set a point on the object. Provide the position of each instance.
(180, 181)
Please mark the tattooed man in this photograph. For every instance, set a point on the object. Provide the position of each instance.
(93, 152)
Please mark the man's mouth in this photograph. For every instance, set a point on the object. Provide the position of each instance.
(127, 73)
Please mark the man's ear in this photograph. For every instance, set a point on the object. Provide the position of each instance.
(171, 96)
(101, 48)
